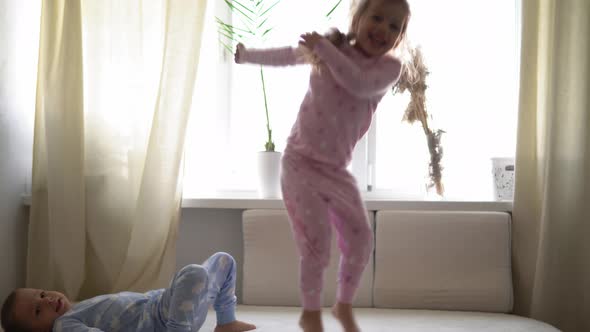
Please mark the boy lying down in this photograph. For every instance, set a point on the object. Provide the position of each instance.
(181, 307)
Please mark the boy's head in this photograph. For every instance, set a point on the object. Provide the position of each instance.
(33, 310)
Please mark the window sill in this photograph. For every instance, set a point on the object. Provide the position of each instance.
(251, 201)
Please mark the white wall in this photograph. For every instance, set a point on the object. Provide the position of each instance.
(19, 31)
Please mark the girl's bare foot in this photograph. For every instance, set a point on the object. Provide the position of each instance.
(343, 313)
(311, 321)
(235, 326)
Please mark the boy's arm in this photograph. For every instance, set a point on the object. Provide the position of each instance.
(70, 324)
(360, 82)
(283, 56)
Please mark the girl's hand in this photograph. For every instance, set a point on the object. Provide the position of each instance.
(240, 48)
(310, 40)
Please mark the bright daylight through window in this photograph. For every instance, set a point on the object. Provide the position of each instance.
(471, 48)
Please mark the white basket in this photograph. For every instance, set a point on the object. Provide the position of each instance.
(503, 172)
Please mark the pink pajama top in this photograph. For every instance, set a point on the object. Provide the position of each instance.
(343, 94)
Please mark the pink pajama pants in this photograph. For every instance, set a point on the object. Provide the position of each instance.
(319, 196)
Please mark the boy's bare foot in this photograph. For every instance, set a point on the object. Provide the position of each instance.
(235, 326)
(311, 321)
(343, 313)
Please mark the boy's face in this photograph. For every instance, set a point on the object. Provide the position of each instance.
(38, 309)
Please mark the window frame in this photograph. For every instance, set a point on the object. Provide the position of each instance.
(364, 158)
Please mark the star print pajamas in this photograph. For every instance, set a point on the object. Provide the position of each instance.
(181, 307)
(319, 192)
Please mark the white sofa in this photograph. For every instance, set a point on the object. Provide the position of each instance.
(431, 271)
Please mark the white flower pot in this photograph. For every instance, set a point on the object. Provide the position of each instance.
(269, 178)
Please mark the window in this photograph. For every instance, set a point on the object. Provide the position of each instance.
(471, 49)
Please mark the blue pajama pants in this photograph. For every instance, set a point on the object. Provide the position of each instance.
(194, 288)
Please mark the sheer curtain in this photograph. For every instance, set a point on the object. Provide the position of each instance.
(115, 82)
(551, 215)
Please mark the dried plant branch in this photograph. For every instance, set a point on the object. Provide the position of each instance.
(413, 79)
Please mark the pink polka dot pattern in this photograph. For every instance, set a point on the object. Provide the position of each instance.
(318, 191)
(321, 203)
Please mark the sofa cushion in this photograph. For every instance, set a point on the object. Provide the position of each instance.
(273, 319)
(271, 263)
(443, 260)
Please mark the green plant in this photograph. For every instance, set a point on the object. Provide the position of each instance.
(252, 20)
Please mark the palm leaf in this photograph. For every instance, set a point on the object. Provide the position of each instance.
(231, 31)
(236, 9)
(226, 46)
(261, 24)
(267, 31)
(334, 8)
(271, 7)
(230, 37)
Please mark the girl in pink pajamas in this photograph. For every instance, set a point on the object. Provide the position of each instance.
(345, 87)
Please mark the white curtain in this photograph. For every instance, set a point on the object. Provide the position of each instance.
(551, 246)
(115, 82)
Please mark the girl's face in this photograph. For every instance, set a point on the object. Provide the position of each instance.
(38, 309)
(379, 28)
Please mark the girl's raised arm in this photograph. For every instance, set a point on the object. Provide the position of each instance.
(279, 57)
